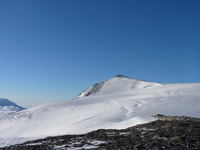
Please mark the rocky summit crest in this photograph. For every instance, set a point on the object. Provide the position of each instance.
(121, 76)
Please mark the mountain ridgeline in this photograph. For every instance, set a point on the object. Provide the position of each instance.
(7, 105)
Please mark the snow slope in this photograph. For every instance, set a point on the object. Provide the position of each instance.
(119, 102)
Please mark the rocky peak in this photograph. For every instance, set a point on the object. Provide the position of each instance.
(121, 76)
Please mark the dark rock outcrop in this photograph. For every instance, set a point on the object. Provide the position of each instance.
(157, 135)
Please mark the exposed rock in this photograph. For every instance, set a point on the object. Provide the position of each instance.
(92, 90)
(176, 134)
(177, 118)
(121, 76)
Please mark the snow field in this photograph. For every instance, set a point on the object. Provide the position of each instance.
(118, 103)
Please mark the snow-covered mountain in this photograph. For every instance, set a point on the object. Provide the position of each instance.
(117, 84)
(117, 103)
(8, 106)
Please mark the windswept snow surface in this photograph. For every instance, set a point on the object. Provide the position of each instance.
(117, 103)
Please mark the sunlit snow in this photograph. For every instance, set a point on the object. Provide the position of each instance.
(117, 103)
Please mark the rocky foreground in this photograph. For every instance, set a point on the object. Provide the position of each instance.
(172, 133)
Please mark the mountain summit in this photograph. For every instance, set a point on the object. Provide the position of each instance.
(117, 84)
(7, 105)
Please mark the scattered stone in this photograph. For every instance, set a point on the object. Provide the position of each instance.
(174, 133)
(177, 118)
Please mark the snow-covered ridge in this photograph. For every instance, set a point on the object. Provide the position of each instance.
(9, 108)
(119, 83)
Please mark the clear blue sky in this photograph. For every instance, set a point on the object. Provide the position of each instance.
(54, 49)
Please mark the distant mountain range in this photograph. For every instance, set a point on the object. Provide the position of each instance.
(116, 103)
(7, 105)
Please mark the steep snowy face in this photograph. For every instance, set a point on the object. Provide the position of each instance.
(92, 90)
(7, 106)
(116, 84)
